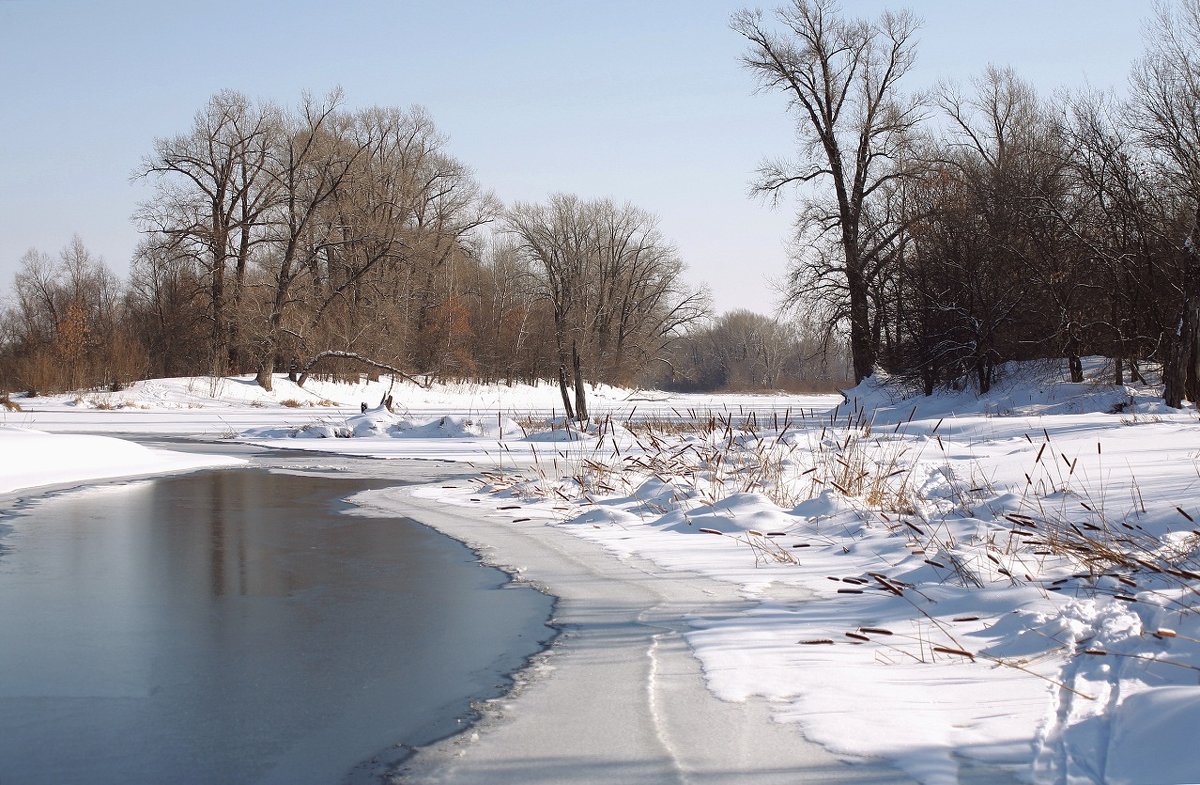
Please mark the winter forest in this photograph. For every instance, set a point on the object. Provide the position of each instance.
(939, 234)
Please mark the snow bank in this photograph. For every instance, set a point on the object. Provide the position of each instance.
(381, 423)
(205, 392)
(1021, 389)
(31, 459)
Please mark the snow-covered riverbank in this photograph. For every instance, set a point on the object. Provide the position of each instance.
(1009, 580)
(32, 459)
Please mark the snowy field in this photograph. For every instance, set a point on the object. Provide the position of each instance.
(1009, 579)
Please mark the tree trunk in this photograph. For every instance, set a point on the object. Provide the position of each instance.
(983, 374)
(566, 394)
(1181, 377)
(580, 391)
(1191, 379)
(861, 348)
(265, 371)
(219, 244)
(1180, 358)
(1134, 373)
(1076, 366)
(234, 348)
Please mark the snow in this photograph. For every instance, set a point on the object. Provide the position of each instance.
(1008, 579)
(32, 459)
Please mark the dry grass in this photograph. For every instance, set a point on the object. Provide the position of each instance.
(973, 533)
(9, 404)
(710, 456)
(291, 403)
(704, 457)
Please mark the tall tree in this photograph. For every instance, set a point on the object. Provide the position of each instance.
(841, 78)
(613, 284)
(1166, 112)
(212, 190)
(311, 164)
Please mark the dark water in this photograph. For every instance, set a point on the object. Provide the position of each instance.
(233, 627)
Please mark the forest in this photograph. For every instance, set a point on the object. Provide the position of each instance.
(939, 234)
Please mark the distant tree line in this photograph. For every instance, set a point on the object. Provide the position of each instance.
(949, 232)
(745, 351)
(321, 240)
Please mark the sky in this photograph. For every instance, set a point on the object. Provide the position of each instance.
(640, 101)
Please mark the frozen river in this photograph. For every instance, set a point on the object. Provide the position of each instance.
(236, 627)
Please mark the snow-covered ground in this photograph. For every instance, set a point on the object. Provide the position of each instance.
(1011, 579)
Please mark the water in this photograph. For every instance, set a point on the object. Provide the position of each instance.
(232, 627)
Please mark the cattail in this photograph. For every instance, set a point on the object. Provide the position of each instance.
(956, 652)
(886, 583)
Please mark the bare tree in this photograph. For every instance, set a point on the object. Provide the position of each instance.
(310, 165)
(165, 299)
(841, 78)
(68, 329)
(1121, 226)
(1012, 160)
(554, 236)
(613, 284)
(212, 190)
(1166, 113)
(400, 228)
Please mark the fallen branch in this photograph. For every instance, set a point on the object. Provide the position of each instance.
(304, 372)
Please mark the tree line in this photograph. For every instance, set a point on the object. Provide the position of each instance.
(322, 240)
(951, 231)
(940, 235)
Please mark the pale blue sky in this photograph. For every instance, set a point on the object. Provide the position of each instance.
(641, 101)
